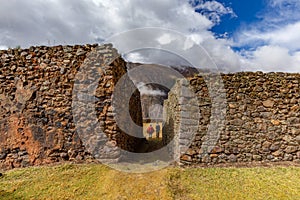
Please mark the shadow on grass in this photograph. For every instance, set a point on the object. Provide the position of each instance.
(8, 195)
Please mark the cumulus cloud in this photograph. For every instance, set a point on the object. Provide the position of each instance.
(52, 22)
(48, 22)
(274, 41)
(272, 58)
(68, 21)
(286, 36)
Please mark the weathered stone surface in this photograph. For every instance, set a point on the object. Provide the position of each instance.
(36, 118)
(257, 157)
(277, 153)
(275, 146)
(268, 103)
(291, 149)
(262, 118)
(232, 158)
(298, 139)
(275, 122)
(287, 138)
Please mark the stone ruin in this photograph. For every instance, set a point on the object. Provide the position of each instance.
(261, 124)
(36, 118)
(38, 125)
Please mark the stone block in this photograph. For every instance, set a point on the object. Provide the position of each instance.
(268, 103)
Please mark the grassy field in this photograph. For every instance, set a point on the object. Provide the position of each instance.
(100, 182)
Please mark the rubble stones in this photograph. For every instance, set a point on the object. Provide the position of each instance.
(262, 119)
(36, 118)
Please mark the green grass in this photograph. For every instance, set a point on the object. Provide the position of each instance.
(239, 183)
(100, 182)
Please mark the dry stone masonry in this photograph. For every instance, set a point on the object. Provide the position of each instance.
(181, 118)
(36, 90)
(40, 86)
(262, 119)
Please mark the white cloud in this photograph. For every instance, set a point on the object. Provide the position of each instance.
(165, 39)
(272, 58)
(286, 36)
(3, 47)
(274, 42)
(135, 57)
(214, 10)
(145, 90)
(222, 54)
(52, 22)
(281, 11)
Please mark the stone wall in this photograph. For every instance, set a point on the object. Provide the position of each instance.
(41, 86)
(36, 117)
(262, 121)
(181, 114)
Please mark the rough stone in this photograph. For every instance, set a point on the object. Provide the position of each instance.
(261, 115)
(287, 138)
(275, 122)
(277, 153)
(268, 103)
(217, 150)
(298, 154)
(257, 157)
(298, 139)
(2, 156)
(261, 122)
(37, 119)
(291, 149)
(232, 158)
(80, 52)
(275, 146)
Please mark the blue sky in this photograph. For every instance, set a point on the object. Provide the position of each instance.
(247, 12)
(240, 35)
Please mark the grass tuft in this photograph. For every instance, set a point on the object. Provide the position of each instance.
(100, 182)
